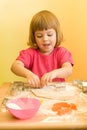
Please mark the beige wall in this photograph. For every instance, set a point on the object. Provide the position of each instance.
(15, 16)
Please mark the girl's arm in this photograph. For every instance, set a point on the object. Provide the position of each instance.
(19, 69)
(63, 72)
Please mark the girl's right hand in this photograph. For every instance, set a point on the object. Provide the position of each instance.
(33, 80)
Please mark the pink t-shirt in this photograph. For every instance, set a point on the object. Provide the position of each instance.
(40, 64)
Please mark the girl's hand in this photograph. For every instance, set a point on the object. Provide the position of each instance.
(48, 77)
(33, 80)
(63, 72)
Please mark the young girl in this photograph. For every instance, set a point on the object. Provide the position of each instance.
(44, 61)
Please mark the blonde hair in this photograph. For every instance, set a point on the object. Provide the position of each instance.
(44, 20)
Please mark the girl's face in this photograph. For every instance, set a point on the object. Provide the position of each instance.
(46, 40)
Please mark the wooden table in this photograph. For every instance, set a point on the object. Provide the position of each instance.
(7, 122)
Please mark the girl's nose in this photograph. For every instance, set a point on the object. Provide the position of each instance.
(45, 37)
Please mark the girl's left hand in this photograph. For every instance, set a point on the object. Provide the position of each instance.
(48, 77)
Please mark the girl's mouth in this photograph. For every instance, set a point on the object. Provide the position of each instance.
(46, 45)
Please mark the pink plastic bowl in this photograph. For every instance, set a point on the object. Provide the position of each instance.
(23, 108)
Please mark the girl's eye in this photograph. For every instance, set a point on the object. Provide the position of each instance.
(39, 36)
(50, 35)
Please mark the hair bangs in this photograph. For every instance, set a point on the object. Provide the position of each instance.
(43, 23)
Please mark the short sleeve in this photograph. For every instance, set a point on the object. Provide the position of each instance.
(65, 56)
(25, 57)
